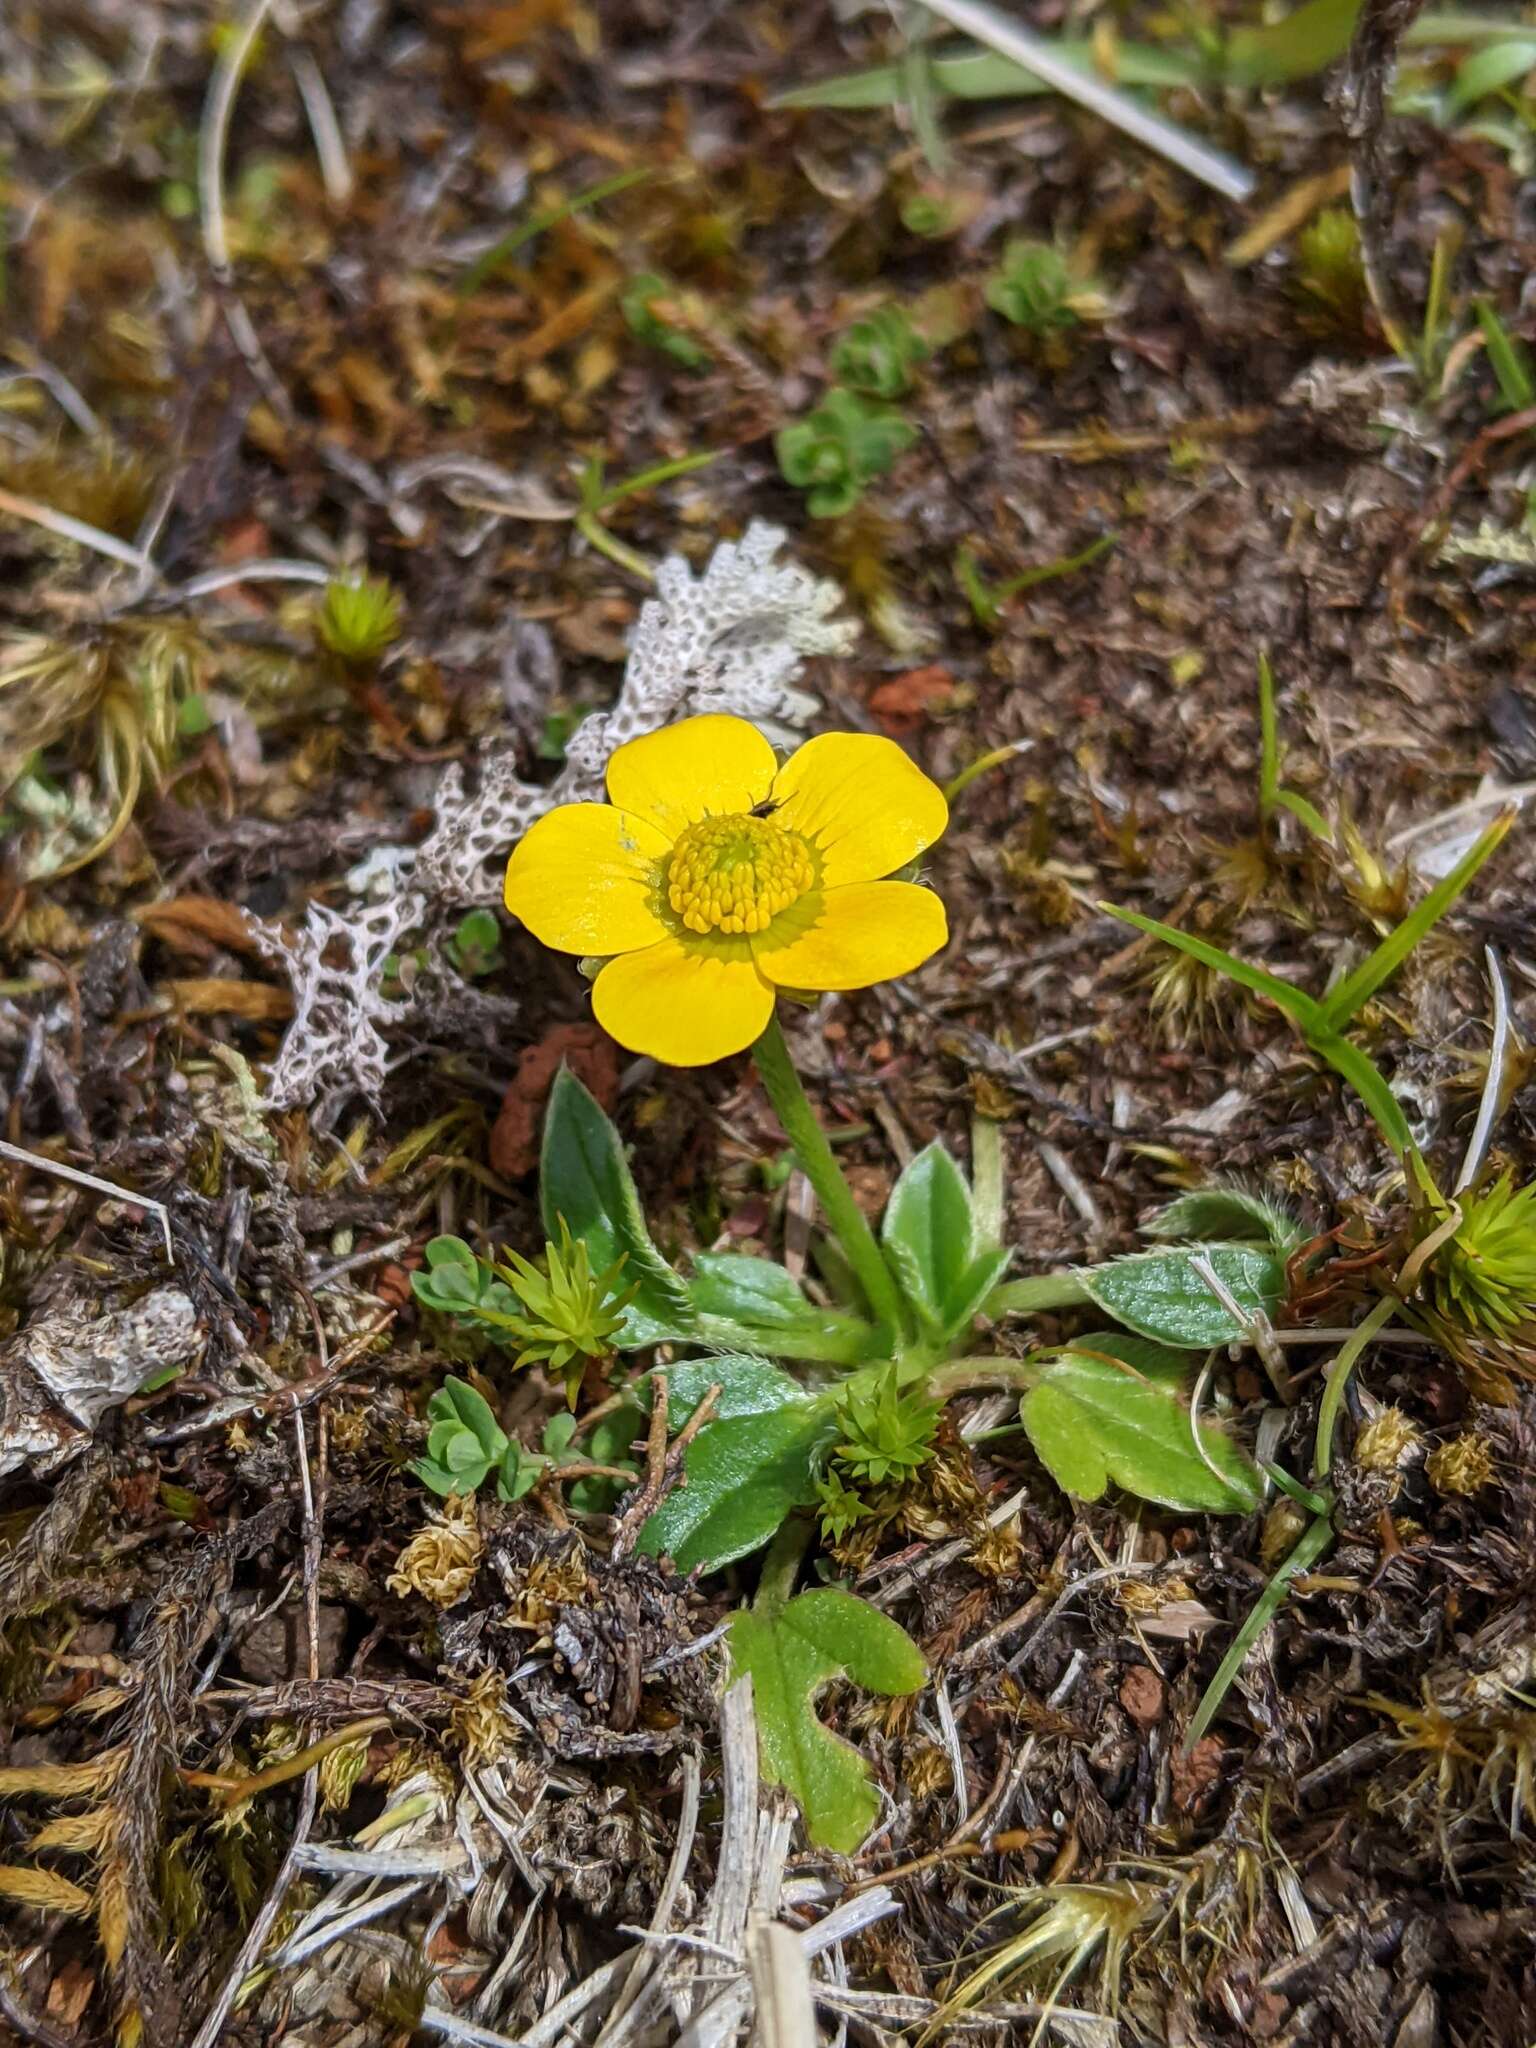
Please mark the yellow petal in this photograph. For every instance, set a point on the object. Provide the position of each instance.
(683, 1005)
(583, 879)
(700, 768)
(866, 932)
(861, 803)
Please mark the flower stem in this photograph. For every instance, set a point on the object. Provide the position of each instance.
(792, 1107)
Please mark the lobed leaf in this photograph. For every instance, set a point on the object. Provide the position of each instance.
(789, 1655)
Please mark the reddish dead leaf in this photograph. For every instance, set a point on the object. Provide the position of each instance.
(256, 1001)
(591, 1056)
(1142, 1694)
(1195, 1772)
(905, 701)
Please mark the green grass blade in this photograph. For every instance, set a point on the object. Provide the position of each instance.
(1295, 1002)
(519, 238)
(1269, 738)
(1368, 1082)
(980, 75)
(1315, 1541)
(1511, 364)
(1306, 42)
(1357, 989)
(1310, 816)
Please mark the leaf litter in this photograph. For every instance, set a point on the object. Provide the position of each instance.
(388, 426)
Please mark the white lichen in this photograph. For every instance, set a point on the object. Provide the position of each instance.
(732, 639)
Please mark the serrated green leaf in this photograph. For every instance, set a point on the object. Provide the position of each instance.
(585, 1181)
(1161, 1295)
(745, 1470)
(789, 1655)
(1237, 1214)
(1093, 1419)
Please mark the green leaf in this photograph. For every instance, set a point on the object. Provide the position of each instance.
(748, 1290)
(929, 1217)
(1094, 1418)
(584, 1181)
(745, 1470)
(966, 73)
(929, 1235)
(1511, 363)
(1296, 1003)
(1490, 70)
(1160, 1295)
(456, 1401)
(1237, 1214)
(519, 1472)
(1357, 989)
(789, 1656)
(1307, 41)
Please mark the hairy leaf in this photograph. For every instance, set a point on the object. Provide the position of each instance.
(1235, 1214)
(1161, 1295)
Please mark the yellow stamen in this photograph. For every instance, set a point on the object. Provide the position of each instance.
(735, 874)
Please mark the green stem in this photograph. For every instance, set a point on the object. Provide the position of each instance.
(1029, 1297)
(838, 1342)
(593, 531)
(1338, 1379)
(961, 1375)
(780, 1566)
(792, 1107)
(1315, 1540)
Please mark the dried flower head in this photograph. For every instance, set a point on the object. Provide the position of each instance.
(1386, 1441)
(1461, 1467)
(441, 1559)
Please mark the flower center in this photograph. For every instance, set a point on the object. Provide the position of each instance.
(736, 874)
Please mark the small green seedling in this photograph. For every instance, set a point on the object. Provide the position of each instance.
(986, 600)
(835, 451)
(1273, 795)
(475, 947)
(645, 293)
(359, 619)
(466, 1444)
(456, 1282)
(1033, 287)
(1510, 361)
(880, 354)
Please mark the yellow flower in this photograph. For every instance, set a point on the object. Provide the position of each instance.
(714, 878)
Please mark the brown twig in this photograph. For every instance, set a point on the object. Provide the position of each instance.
(663, 1464)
